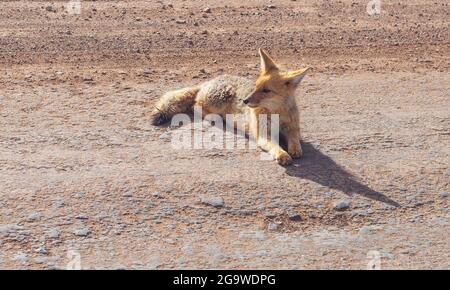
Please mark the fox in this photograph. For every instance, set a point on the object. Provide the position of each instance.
(272, 93)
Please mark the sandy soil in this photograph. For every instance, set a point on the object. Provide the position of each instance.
(84, 175)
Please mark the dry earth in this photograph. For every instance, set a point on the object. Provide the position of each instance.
(82, 171)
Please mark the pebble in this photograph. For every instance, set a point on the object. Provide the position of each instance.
(83, 232)
(81, 217)
(443, 194)
(34, 216)
(341, 205)
(293, 216)
(50, 8)
(272, 227)
(41, 250)
(54, 233)
(312, 215)
(214, 201)
(147, 72)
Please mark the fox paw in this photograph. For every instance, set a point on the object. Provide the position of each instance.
(296, 153)
(283, 159)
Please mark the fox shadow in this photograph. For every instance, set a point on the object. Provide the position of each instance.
(318, 167)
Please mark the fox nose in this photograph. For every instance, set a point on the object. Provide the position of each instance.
(246, 101)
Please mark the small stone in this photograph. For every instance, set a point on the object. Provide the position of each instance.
(180, 21)
(271, 6)
(41, 250)
(293, 216)
(50, 8)
(214, 201)
(311, 215)
(81, 217)
(443, 194)
(147, 71)
(207, 10)
(272, 227)
(156, 194)
(341, 205)
(83, 232)
(54, 233)
(128, 194)
(34, 216)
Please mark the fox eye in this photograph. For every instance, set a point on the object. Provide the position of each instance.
(266, 90)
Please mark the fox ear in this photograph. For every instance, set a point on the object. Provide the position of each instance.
(296, 76)
(267, 62)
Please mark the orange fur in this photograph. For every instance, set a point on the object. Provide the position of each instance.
(272, 93)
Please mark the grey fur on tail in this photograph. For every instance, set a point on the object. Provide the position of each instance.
(159, 118)
(172, 103)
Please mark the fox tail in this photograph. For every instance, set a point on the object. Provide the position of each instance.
(172, 103)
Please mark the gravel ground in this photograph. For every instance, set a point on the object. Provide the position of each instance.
(85, 180)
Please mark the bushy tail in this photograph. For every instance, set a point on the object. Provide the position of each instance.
(172, 103)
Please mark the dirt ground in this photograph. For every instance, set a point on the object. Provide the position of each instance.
(85, 180)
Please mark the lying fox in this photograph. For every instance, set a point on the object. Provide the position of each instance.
(272, 94)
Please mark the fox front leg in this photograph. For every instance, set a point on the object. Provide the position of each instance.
(281, 156)
(294, 146)
(273, 148)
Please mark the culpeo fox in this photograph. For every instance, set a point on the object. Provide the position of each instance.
(272, 94)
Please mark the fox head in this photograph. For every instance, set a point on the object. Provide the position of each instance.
(273, 84)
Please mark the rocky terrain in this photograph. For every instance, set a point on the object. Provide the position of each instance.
(86, 181)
